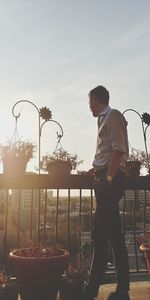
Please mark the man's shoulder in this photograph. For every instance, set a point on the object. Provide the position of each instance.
(115, 111)
(116, 114)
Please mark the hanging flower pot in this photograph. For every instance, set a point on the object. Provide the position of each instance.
(12, 165)
(60, 164)
(133, 168)
(15, 156)
(38, 271)
(59, 168)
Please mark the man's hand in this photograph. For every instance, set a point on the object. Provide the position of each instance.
(91, 171)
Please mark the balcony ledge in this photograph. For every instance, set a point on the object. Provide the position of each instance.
(44, 181)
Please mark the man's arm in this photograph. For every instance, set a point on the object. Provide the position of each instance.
(114, 164)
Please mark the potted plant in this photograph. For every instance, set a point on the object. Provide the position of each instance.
(75, 276)
(38, 271)
(137, 160)
(60, 163)
(15, 156)
(145, 248)
(8, 288)
(71, 284)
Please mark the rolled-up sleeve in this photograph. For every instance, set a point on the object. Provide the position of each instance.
(118, 131)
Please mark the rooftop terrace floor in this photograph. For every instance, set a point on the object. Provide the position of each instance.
(138, 291)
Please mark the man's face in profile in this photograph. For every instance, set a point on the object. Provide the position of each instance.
(95, 106)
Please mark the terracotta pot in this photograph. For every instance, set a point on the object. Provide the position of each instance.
(14, 165)
(59, 168)
(133, 168)
(38, 277)
(145, 248)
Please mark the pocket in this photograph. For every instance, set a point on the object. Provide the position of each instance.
(99, 181)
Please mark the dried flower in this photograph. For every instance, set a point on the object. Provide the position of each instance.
(20, 149)
(61, 155)
(140, 158)
(146, 118)
(45, 113)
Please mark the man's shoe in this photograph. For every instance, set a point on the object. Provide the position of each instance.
(118, 296)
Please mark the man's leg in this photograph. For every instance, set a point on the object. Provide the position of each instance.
(119, 247)
(122, 265)
(100, 245)
(98, 268)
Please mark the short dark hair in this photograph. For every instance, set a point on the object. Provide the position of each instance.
(101, 94)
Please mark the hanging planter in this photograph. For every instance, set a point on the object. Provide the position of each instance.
(14, 165)
(133, 168)
(38, 271)
(137, 160)
(59, 168)
(15, 156)
(60, 164)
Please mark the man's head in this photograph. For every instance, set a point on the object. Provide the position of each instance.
(98, 100)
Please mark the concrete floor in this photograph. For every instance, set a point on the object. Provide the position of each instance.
(138, 290)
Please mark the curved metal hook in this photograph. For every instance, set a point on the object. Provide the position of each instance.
(130, 109)
(17, 116)
(144, 133)
(146, 130)
(62, 132)
(21, 101)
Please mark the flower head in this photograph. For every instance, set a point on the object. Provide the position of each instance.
(146, 118)
(45, 113)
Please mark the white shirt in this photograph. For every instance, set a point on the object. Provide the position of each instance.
(112, 135)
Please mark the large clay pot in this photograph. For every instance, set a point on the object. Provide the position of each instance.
(145, 248)
(38, 277)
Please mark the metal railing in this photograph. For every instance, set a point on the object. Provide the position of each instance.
(62, 214)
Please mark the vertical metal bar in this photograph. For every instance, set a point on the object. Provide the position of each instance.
(91, 214)
(18, 227)
(45, 210)
(5, 226)
(31, 217)
(144, 211)
(39, 215)
(56, 228)
(68, 220)
(80, 225)
(123, 215)
(91, 222)
(134, 228)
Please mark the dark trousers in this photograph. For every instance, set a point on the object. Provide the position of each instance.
(107, 231)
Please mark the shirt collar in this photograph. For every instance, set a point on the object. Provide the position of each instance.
(105, 111)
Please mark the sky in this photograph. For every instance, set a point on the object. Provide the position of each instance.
(53, 53)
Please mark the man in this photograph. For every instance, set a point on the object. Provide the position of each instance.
(108, 169)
